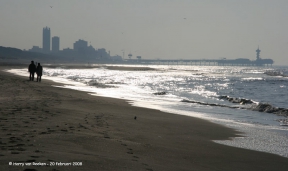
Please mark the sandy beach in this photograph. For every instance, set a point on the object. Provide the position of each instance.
(71, 130)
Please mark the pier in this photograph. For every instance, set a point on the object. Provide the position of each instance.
(204, 62)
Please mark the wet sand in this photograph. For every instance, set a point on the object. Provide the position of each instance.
(44, 124)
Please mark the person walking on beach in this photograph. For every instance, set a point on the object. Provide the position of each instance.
(39, 71)
(32, 69)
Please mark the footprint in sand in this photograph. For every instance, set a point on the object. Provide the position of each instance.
(13, 139)
(71, 127)
(130, 151)
(21, 149)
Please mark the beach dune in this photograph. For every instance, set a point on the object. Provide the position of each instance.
(63, 129)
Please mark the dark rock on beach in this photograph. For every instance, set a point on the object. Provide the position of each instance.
(160, 93)
(236, 100)
(267, 108)
(261, 107)
(208, 104)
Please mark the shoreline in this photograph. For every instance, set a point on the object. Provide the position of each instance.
(42, 123)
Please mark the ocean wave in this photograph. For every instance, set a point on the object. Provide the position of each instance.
(75, 78)
(94, 83)
(115, 82)
(210, 104)
(252, 78)
(276, 73)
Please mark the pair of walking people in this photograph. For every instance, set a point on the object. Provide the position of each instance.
(32, 69)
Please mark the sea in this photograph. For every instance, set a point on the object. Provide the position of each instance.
(195, 91)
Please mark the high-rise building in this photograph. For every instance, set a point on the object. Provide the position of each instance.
(80, 45)
(55, 44)
(46, 40)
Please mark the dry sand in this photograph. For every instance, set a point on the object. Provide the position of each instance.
(44, 124)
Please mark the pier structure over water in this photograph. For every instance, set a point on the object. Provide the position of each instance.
(207, 62)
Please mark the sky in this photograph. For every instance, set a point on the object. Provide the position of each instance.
(153, 29)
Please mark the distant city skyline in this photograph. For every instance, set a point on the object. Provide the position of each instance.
(54, 42)
(194, 29)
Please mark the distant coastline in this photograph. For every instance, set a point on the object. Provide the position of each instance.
(14, 55)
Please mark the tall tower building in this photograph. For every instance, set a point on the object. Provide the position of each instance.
(55, 44)
(258, 53)
(46, 40)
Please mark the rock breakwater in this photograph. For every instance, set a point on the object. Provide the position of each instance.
(254, 106)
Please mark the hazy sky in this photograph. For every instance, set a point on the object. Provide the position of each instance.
(154, 29)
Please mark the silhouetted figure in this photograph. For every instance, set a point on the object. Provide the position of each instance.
(32, 70)
(39, 71)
